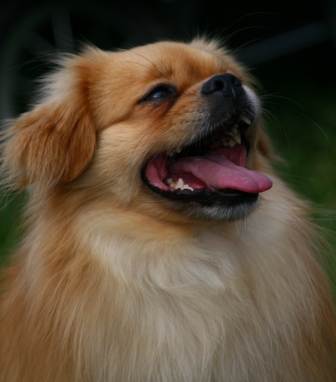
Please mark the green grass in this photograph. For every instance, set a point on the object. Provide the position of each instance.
(10, 223)
(305, 137)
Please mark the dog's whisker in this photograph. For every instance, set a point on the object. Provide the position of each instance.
(302, 114)
(269, 114)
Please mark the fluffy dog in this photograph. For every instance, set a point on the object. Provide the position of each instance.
(159, 244)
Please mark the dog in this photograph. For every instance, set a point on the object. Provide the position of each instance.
(159, 244)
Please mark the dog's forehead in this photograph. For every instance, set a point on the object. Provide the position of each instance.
(177, 62)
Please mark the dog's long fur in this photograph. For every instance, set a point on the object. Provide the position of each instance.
(111, 282)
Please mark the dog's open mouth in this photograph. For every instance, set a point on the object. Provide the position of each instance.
(210, 169)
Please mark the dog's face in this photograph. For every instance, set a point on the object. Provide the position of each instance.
(171, 128)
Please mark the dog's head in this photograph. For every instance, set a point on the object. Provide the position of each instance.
(170, 125)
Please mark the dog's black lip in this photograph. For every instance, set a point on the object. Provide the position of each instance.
(206, 196)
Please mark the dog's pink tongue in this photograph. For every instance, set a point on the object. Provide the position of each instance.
(218, 172)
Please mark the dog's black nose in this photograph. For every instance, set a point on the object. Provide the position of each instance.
(225, 84)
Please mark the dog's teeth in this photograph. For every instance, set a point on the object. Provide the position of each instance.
(233, 137)
(176, 185)
(170, 153)
(233, 131)
(187, 187)
(237, 137)
(245, 119)
(232, 143)
(179, 185)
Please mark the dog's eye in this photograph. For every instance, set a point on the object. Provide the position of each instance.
(160, 92)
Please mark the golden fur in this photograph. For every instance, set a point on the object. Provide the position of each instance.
(110, 283)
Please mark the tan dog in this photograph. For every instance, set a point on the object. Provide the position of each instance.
(149, 254)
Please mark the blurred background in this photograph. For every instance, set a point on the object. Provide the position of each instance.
(290, 46)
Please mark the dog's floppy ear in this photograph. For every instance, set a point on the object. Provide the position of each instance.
(55, 141)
